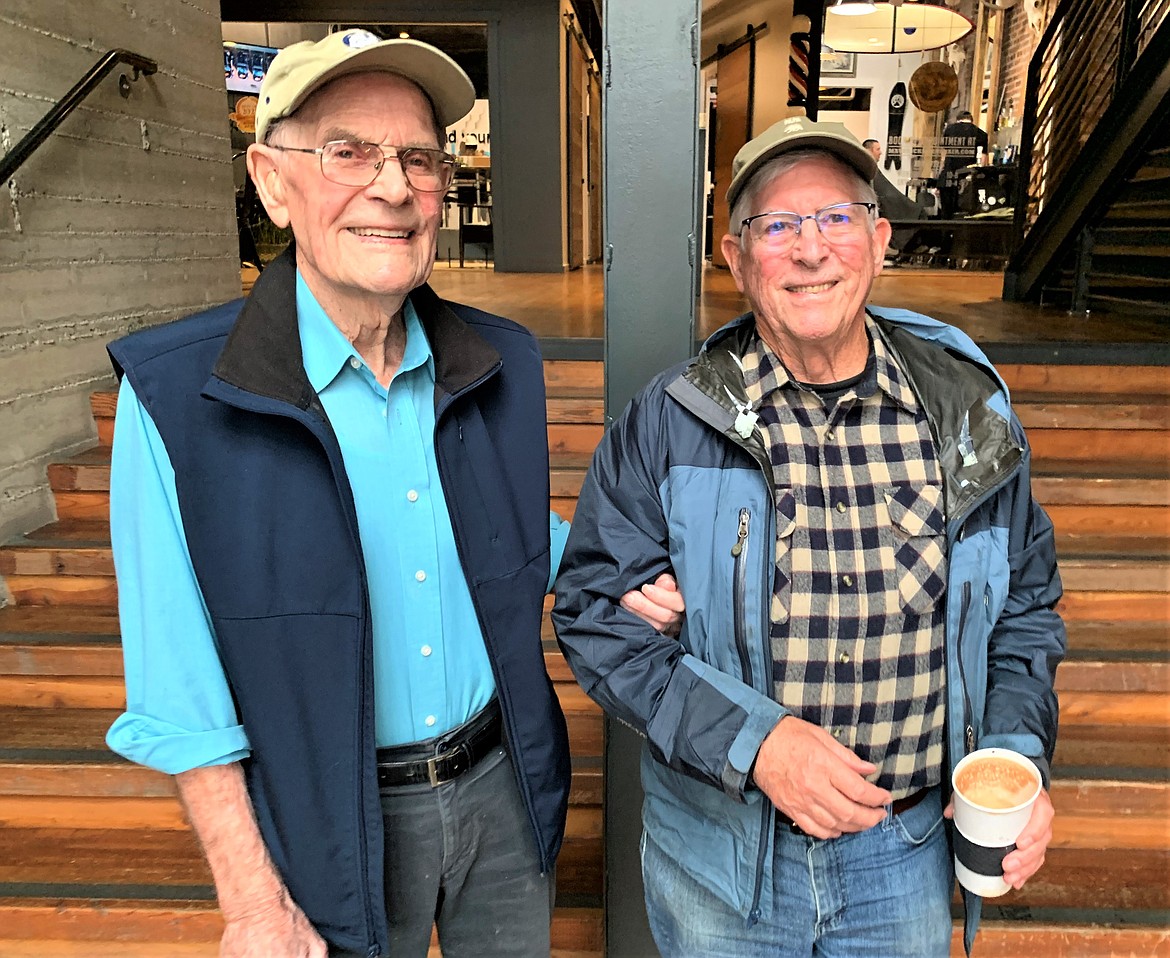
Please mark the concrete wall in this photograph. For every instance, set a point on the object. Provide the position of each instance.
(124, 218)
(526, 94)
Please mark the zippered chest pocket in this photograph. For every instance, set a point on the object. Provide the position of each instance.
(916, 533)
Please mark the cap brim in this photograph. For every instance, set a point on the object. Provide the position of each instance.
(856, 156)
(440, 77)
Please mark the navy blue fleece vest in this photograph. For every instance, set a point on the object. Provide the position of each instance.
(269, 520)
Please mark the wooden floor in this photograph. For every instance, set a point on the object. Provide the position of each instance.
(572, 305)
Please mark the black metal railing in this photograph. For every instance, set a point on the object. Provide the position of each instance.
(70, 101)
(1076, 72)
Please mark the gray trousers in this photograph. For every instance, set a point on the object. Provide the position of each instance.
(462, 857)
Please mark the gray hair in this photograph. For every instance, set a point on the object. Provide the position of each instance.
(745, 204)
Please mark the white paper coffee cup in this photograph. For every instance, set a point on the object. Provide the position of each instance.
(993, 802)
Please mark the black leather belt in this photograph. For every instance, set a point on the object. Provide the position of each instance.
(442, 759)
(899, 806)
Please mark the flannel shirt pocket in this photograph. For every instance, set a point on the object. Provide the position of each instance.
(782, 585)
(918, 529)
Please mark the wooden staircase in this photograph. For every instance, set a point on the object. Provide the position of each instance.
(96, 859)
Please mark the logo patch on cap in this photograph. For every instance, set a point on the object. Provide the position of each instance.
(358, 39)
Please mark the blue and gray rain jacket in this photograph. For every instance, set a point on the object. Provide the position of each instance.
(674, 487)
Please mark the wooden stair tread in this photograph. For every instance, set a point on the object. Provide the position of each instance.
(146, 922)
(1094, 546)
(90, 530)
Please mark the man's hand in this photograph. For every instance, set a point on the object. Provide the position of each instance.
(816, 781)
(1032, 844)
(279, 930)
(659, 603)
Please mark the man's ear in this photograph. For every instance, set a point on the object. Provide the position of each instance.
(733, 253)
(881, 240)
(264, 168)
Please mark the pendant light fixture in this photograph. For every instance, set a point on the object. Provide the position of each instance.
(896, 26)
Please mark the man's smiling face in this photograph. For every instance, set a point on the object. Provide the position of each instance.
(811, 296)
(359, 243)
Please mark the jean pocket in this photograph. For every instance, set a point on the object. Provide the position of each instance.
(916, 825)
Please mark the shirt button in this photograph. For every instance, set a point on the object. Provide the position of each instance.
(355, 362)
(420, 576)
(844, 658)
(430, 720)
(841, 507)
(847, 580)
(425, 650)
(412, 496)
(829, 435)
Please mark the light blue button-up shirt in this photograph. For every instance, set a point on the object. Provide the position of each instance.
(431, 670)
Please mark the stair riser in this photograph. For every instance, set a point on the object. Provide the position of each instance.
(1099, 445)
(1078, 381)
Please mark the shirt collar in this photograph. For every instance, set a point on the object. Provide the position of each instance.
(326, 350)
(764, 371)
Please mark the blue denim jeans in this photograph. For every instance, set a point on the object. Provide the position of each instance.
(882, 893)
(462, 857)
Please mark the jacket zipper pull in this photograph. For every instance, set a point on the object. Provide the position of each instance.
(743, 531)
(970, 739)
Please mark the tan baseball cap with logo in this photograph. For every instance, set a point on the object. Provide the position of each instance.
(797, 133)
(300, 68)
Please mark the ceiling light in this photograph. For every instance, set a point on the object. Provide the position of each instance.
(852, 8)
(899, 27)
(403, 35)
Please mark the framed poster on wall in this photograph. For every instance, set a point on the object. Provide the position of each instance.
(835, 64)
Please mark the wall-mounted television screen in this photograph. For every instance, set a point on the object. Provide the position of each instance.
(244, 66)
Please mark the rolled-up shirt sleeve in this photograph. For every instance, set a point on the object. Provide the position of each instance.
(179, 710)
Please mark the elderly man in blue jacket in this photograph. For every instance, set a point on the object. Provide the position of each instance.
(842, 493)
(329, 513)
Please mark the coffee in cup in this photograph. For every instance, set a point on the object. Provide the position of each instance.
(995, 789)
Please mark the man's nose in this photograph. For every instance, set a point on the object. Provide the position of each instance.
(390, 184)
(810, 241)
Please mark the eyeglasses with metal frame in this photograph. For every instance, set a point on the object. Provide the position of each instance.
(838, 223)
(357, 163)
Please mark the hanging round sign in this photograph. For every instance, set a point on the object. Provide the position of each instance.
(933, 86)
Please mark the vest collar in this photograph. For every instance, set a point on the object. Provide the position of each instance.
(262, 354)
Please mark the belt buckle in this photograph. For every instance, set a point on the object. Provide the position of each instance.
(433, 764)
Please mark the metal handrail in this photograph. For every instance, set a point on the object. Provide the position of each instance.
(69, 102)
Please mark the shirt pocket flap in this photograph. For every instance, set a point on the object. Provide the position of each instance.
(916, 510)
(785, 515)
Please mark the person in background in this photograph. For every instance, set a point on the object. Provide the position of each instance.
(874, 147)
(962, 143)
(843, 493)
(329, 513)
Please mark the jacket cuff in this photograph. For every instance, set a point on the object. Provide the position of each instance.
(741, 756)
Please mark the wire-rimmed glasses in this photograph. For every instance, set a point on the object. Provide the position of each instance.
(357, 163)
(839, 223)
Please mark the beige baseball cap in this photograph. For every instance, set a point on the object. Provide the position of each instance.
(300, 68)
(797, 133)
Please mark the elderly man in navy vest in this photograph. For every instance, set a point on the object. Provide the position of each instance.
(329, 511)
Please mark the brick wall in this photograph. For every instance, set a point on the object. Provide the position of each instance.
(1019, 43)
(124, 218)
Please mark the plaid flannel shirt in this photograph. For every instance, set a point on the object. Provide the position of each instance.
(857, 612)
